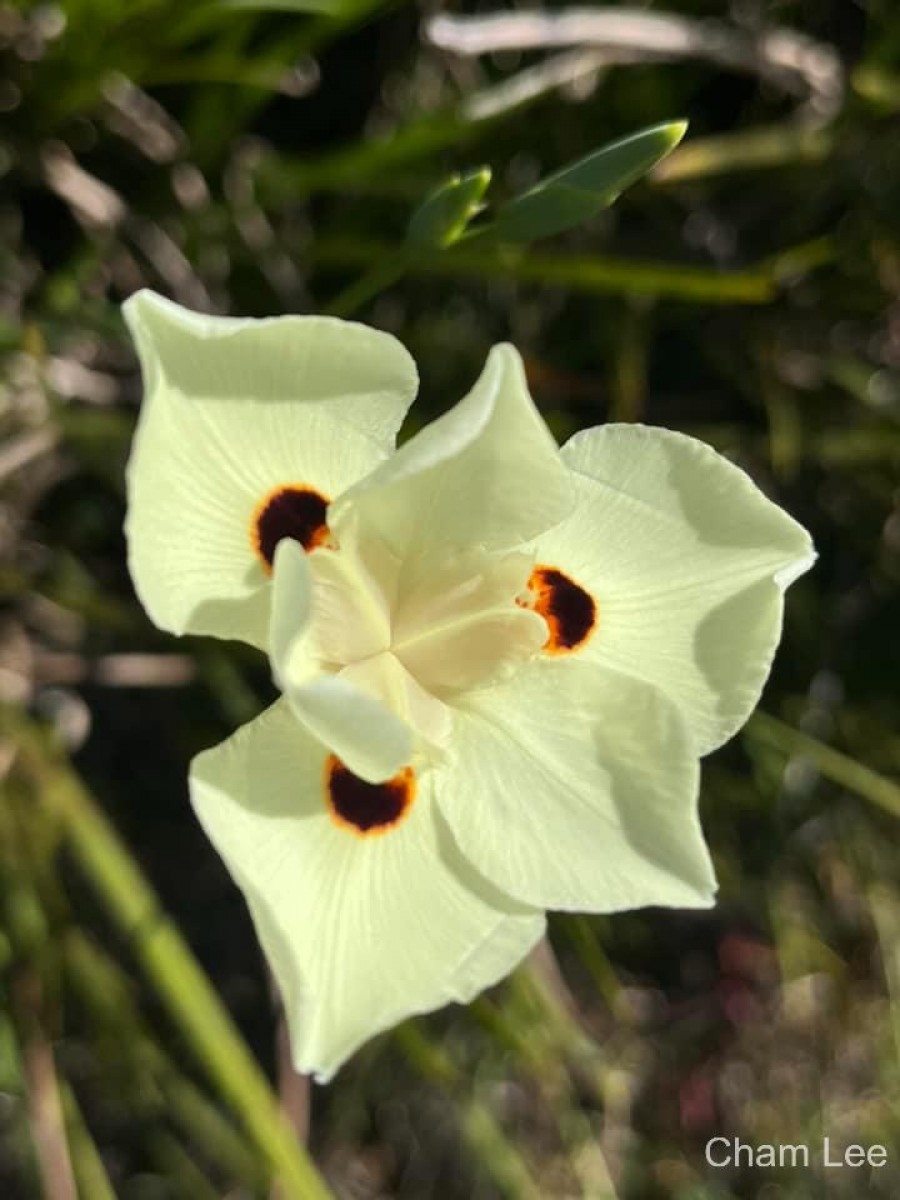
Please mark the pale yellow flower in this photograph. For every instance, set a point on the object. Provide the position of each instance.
(500, 661)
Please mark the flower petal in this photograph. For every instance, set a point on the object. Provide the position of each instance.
(687, 562)
(330, 598)
(384, 677)
(353, 723)
(234, 410)
(365, 377)
(290, 640)
(360, 931)
(486, 473)
(573, 787)
(460, 626)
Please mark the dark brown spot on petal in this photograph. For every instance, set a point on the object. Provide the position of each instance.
(367, 808)
(289, 511)
(570, 611)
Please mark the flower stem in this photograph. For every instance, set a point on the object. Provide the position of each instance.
(167, 961)
(581, 273)
(372, 283)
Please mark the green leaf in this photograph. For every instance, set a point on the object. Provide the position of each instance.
(579, 191)
(442, 218)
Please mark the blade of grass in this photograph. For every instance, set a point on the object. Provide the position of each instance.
(18, 1148)
(169, 965)
(36, 912)
(90, 1173)
(580, 933)
(45, 1111)
(539, 986)
(886, 915)
(526, 1035)
(156, 1087)
(499, 1157)
(628, 384)
(179, 1169)
(748, 150)
(839, 768)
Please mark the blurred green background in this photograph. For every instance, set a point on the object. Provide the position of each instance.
(259, 157)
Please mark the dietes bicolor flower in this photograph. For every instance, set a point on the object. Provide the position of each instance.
(500, 661)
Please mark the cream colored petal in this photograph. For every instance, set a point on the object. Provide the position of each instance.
(367, 736)
(386, 679)
(459, 626)
(687, 561)
(364, 377)
(325, 608)
(291, 639)
(353, 723)
(487, 473)
(233, 410)
(360, 932)
(574, 787)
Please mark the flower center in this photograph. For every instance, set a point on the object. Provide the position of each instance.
(367, 808)
(570, 611)
(288, 511)
(415, 635)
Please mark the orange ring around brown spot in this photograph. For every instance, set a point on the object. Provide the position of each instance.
(569, 610)
(367, 809)
(293, 510)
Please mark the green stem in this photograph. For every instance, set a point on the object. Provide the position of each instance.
(386, 263)
(584, 274)
(169, 964)
(381, 276)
